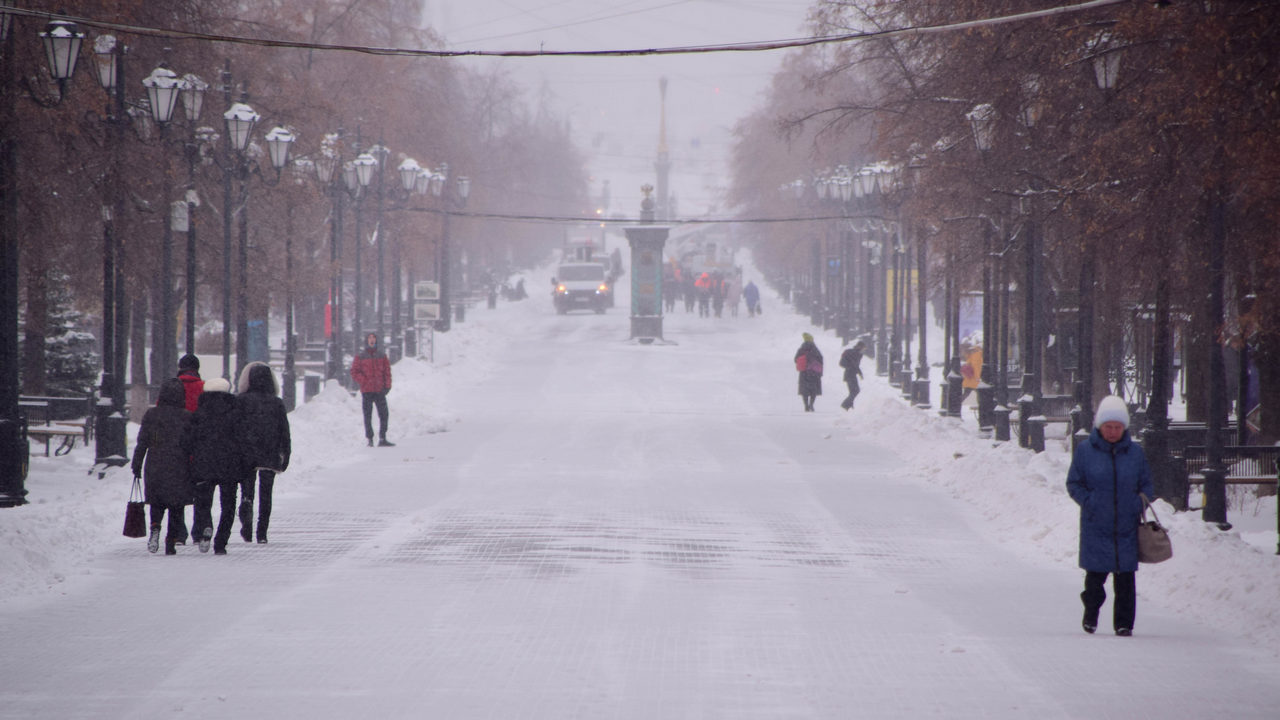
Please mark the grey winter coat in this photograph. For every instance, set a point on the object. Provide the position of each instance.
(1105, 481)
(158, 456)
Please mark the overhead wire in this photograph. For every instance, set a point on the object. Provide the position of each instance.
(172, 34)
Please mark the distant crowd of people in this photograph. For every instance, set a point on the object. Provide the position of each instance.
(710, 292)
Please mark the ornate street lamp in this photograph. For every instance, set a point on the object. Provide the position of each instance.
(326, 165)
(192, 103)
(62, 44)
(62, 41)
(358, 173)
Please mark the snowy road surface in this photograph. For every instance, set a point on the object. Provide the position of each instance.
(573, 526)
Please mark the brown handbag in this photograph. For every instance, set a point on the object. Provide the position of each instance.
(1154, 545)
(135, 513)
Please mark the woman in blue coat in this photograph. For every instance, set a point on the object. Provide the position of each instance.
(1108, 476)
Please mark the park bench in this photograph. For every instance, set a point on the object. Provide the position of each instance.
(1245, 464)
(67, 437)
(65, 419)
(1056, 408)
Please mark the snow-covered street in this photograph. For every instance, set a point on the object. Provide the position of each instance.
(575, 526)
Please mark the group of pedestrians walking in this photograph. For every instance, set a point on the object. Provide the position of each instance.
(200, 438)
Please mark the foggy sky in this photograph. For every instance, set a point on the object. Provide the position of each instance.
(613, 102)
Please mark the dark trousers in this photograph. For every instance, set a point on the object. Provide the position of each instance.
(265, 481)
(853, 393)
(368, 401)
(202, 517)
(1126, 603)
(227, 515)
(177, 522)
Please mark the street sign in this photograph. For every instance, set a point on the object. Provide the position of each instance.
(426, 290)
(426, 311)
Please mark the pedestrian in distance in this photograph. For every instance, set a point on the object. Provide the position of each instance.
(1107, 479)
(262, 433)
(215, 463)
(751, 294)
(192, 385)
(851, 361)
(809, 368)
(158, 458)
(372, 372)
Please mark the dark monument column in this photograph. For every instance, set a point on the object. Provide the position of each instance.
(646, 241)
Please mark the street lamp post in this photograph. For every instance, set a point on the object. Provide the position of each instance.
(326, 164)
(358, 174)
(62, 42)
(109, 423)
(192, 102)
(241, 119)
(163, 88)
(449, 199)
(380, 153)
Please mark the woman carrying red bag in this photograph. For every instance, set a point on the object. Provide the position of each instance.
(809, 367)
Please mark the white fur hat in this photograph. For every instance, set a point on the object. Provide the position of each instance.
(217, 385)
(1111, 409)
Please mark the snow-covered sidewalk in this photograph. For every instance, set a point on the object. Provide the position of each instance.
(571, 523)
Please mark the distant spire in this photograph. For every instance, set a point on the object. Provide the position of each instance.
(663, 164)
(662, 116)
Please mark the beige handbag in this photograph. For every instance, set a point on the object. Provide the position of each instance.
(1154, 545)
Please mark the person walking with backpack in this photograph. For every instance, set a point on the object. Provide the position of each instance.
(262, 432)
(215, 463)
(851, 361)
(159, 459)
(372, 372)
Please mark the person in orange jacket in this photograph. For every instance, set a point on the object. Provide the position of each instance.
(372, 372)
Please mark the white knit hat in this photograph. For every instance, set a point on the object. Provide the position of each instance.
(1112, 409)
(217, 385)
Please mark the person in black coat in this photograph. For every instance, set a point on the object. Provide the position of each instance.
(851, 361)
(210, 443)
(263, 436)
(159, 459)
(809, 367)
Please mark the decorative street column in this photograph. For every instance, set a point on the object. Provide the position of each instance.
(646, 241)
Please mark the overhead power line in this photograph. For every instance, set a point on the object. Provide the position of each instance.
(574, 220)
(172, 34)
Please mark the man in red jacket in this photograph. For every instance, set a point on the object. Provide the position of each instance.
(372, 372)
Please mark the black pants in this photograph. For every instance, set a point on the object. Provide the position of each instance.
(202, 517)
(367, 403)
(177, 522)
(1126, 602)
(204, 511)
(265, 481)
(853, 393)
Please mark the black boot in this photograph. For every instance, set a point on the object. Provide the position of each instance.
(384, 442)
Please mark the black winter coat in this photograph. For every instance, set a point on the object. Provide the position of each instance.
(211, 440)
(262, 430)
(851, 361)
(158, 455)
